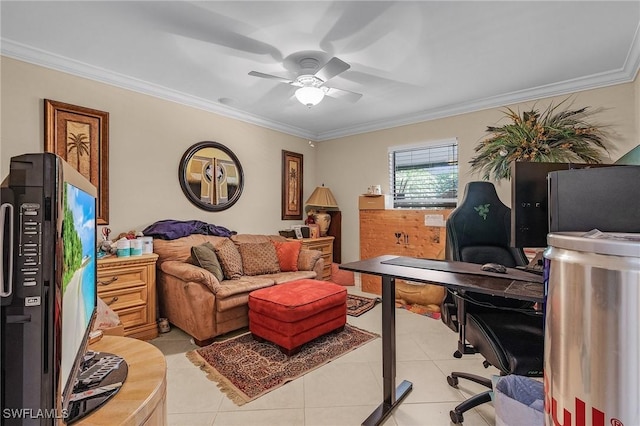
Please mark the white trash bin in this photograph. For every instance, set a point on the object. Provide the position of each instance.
(518, 401)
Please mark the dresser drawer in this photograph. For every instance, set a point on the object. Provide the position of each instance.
(132, 317)
(326, 271)
(118, 278)
(124, 298)
(324, 247)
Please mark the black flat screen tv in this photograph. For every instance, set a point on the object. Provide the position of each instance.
(49, 288)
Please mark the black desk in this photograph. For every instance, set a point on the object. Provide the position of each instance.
(458, 276)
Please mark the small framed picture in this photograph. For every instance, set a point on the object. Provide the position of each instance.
(298, 233)
(314, 231)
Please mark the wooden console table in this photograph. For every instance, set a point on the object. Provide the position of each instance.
(142, 398)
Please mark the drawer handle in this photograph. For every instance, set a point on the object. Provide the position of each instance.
(111, 281)
(115, 299)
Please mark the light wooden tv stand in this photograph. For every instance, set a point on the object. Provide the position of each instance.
(142, 398)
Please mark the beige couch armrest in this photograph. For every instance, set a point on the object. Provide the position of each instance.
(188, 272)
(311, 260)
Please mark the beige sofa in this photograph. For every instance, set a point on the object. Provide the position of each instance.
(194, 300)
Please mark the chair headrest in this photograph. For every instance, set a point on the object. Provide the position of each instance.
(480, 192)
(480, 219)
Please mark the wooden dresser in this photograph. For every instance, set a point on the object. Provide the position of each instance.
(128, 286)
(325, 245)
(378, 230)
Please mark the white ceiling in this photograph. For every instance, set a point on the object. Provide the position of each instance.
(412, 61)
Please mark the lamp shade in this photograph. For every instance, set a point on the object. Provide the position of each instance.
(322, 197)
(309, 95)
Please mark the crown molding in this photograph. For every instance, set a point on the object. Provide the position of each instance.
(39, 57)
(45, 59)
(564, 88)
(626, 74)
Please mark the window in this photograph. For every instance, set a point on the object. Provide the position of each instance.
(424, 175)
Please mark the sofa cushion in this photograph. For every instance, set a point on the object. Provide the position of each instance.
(230, 259)
(288, 253)
(244, 285)
(284, 277)
(205, 257)
(259, 258)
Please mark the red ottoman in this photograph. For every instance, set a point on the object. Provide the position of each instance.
(294, 313)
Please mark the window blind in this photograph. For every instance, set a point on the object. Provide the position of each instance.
(424, 176)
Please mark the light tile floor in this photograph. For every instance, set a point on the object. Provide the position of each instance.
(343, 392)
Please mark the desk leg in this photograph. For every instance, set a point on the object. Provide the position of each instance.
(392, 396)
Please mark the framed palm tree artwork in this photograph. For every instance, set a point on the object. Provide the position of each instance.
(291, 185)
(80, 136)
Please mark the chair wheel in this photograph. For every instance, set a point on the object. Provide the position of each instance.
(453, 382)
(457, 354)
(456, 418)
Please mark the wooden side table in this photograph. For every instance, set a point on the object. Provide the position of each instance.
(325, 245)
(142, 398)
(128, 286)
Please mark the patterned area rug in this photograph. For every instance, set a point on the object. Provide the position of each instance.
(246, 369)
(358, 305)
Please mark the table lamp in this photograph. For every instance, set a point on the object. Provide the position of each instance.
(322, 198)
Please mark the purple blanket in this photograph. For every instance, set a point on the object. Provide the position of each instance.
(170, 229)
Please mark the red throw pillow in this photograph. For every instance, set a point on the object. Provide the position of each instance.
(288, 253)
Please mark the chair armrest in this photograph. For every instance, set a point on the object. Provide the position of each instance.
(188, 272)
(307, 259)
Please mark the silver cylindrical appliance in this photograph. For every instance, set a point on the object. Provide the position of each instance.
(592, 330)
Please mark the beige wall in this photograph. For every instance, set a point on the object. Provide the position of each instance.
(349, 165)
(147, 139)
(149, 135)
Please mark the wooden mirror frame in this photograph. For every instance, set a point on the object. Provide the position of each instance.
(213, 196)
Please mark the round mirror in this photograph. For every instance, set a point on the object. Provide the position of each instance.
(211, 176)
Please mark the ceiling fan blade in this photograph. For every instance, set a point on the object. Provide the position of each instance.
(271, 77)
(197, 21)
(343, 94)
(332, 68)
(353, 19)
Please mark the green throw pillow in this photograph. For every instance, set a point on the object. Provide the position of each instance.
(205, 257)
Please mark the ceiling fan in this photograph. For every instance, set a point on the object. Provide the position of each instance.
(311, 86)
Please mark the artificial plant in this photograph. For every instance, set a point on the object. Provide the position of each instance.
(553, 135)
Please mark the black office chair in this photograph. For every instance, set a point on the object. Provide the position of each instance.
(508, 333)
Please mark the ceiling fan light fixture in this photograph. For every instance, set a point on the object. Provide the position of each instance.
(309, 95)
